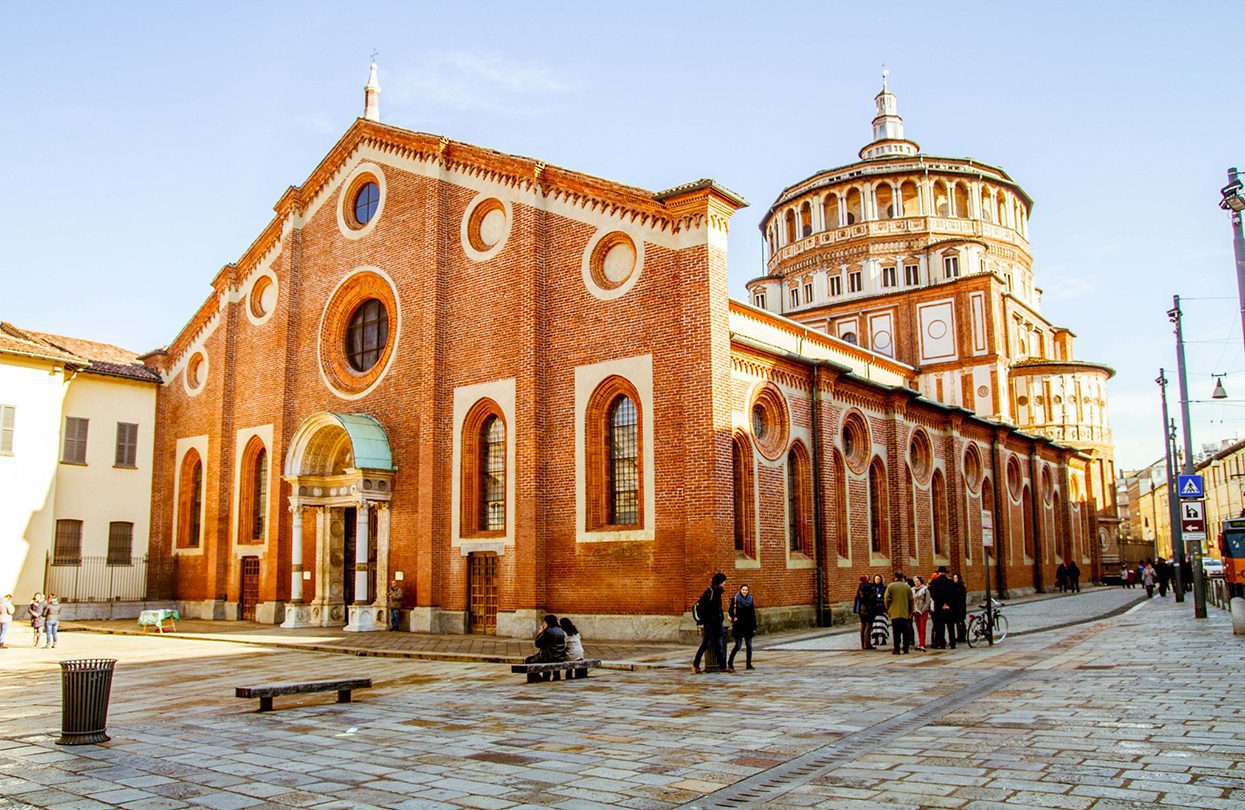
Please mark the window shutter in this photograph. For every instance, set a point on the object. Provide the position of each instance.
(127, 445)
(7, 415)
(75, 440)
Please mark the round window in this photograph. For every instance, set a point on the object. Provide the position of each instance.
(758, 421)
(366, 334)
(972, 467)
(366, 201)
(770, 422)
(920, 455)
(855, 442)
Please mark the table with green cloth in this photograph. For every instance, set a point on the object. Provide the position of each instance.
(157, 618)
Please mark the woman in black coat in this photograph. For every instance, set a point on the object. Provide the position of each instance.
(865, 608)
(959, 608)
(743, 615)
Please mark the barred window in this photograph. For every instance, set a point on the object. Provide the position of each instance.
(877, 509)
(120, 543)
(127, 445)
(493, 475)
(74, 451)
(624, 463)
(67, 549)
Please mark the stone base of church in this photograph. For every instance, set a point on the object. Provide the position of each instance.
(299, 615)
(213, 610)
(270, 612)
(518, 623)
(436, 620)
(366, 619)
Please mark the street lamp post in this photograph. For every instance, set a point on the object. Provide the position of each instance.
(1199, 596)
(1173, 503)
(1233, 202)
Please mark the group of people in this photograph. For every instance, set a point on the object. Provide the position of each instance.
(45, 618)
(909, 604)
(1068, 578)
(1150, 574)
(558, 640)
(709, 614)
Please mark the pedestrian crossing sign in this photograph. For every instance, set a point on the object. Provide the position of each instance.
(1190, 486)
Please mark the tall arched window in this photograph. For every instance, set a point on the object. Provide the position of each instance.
(830, 211)
(190, 500)
(877, 508)
(482, 484)
(938, 494)
(840, 503)
(615, 458)
(253, 492)
(790, 222)
(885, 197)
(799, 501)
(1026, 519)
(745, 521)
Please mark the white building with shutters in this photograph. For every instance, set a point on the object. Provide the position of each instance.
(77, 426)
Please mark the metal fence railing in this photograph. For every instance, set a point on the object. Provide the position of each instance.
(96, 579)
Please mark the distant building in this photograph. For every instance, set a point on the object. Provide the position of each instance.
(927, 260)
(77, 430)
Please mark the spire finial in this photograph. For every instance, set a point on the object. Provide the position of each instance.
(371, 93)
(885, 73)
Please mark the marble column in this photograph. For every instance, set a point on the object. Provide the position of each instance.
(363, 616)
(297, 614)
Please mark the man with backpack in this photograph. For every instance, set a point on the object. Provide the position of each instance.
(708, 614)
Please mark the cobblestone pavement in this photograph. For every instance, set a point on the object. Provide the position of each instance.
(1022, 616)
(1130, 711)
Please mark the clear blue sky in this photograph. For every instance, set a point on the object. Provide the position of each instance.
(145, 144)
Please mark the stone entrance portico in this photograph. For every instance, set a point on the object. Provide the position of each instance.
(340, 468)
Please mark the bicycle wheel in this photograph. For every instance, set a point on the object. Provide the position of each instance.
(976, 631)
(1000, 627)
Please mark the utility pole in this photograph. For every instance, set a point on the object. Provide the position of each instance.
(1173, 502)
(1233, 202)
(1199, 596)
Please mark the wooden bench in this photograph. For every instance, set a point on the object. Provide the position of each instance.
(266, 693)
(574, 669)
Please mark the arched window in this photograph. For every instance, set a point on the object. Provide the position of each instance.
(961, 201)
(482, 486)
(1026, 520)
(790, 221)
(942, 199)
(253, 492)
(830, 211)
(745, 521)
(190, 501)
(799, 501)
(911, 200)
(1064, 554)
(840, 503)
(854, 213)
(615, 458)
(885, 196)
(806, 220)
(938, 494)
(877, 508)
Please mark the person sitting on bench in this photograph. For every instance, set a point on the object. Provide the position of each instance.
(574, 646)
(550, 647)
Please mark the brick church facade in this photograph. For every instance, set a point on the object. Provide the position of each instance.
(516, 389)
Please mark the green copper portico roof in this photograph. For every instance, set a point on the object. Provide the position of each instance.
(368, 439)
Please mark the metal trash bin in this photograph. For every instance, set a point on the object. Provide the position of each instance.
(85, 687)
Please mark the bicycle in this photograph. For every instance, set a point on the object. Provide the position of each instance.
(981, 624)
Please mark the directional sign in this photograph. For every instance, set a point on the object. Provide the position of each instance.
(1190, 486)
(987, 528)
(1192, 517)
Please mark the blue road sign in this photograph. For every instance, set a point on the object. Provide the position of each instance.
(1190, 486)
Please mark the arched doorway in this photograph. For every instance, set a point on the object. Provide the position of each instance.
(340, 470)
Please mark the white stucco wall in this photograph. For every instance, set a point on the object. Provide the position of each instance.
(28, 477)
(100, 492)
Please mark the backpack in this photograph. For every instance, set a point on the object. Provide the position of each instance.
(701, 608)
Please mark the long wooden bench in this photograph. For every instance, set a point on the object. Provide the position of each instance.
(574, 669)
(266, 693)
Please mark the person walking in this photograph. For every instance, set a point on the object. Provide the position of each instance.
(6, 617)
(1125, 579)
(51, 619)
(942, 593)
(899, 603)
(1147, 579)
(921, 606)
(1074, 577)
(959, 609)
(37, 604)
(709, 608)
(1163, 573)
(395, 604)
(1061, 577)
(743, 614)
(864, 609)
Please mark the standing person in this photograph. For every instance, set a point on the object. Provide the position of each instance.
(1163, 573)
(899, 606)
(1074, 577)
(959, 609)
(51, 619)
(942, 593)
(710, 609)
(1147, 579)
(864, 609)
(550, 647)
(6, 617)
(743, 615)
(1061, 577)
(395, 604)
(36, 615)
(921, 606)
(1124, 578)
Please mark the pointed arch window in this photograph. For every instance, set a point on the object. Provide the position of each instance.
(745, 497)
(938, 493)
(840, 503)
(482, 487)
(877, 509)
(615, 458)
(799, 501)
(190, 501)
